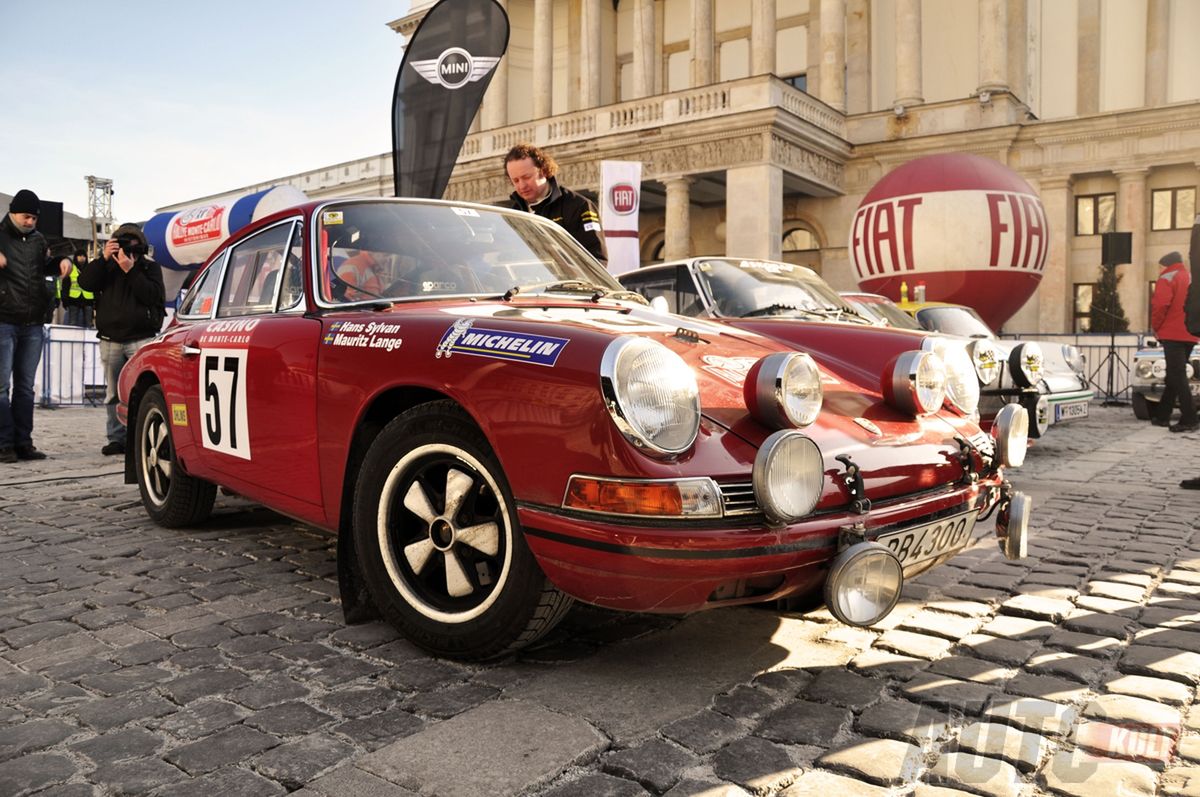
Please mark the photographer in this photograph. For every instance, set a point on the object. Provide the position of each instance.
(130, 308)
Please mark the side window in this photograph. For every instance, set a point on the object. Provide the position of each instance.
(293, 272)
(688, 295)
(200, 296)
(253, 273)
(661, 285)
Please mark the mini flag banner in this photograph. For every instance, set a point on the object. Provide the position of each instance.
(447, 67)
(620, 201)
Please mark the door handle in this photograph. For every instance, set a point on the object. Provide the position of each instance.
(191, 351)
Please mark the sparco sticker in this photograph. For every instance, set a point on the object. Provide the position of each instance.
(454, 68)
(497, 344)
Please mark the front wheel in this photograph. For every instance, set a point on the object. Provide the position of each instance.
(171, 497)
(1143, 408)
(437, 536)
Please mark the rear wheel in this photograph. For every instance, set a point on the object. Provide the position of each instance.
(171, 497)
(437, 536)
(1143, 408)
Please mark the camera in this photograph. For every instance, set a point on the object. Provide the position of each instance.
(130, 245)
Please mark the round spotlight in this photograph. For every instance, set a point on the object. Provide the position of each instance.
(1011, 430)
(1012, 526)
(864, 584)
(789, 474)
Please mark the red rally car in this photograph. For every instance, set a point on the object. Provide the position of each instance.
(492, 426)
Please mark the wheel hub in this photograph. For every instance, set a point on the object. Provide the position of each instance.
(441, 534)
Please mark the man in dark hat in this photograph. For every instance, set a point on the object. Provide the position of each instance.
(27, 279)
(1167, 321)
(130, 308)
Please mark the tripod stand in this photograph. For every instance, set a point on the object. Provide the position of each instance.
(1112, 359)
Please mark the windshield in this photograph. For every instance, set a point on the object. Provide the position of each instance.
(372, 251)
(954, 321)
(885, 311)
(741, 288)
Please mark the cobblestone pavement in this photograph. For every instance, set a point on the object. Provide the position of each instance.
(139, 660)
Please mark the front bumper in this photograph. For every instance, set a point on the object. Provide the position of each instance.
(683, 568)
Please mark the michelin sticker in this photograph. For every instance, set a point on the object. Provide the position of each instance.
(497, 344)
(375, 335)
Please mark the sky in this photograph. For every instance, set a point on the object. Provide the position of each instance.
(175, 101)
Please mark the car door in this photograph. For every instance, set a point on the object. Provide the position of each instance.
(254, 399)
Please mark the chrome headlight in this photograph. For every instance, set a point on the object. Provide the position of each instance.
(916, 383)
(1144, 369)
(864, 584)
(651, 394)
(784, 389)
(789, 473)
(1011, 430)
(962, 382)
(1189, 370)
(1158, 369)
(1025, 363)
(987, 361)
(1073, 357)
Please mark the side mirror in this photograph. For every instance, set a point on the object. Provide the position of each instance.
(659, 304)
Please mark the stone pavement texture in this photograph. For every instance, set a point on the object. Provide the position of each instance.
(214, 660)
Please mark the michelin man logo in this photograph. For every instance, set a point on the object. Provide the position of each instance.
(454, 68)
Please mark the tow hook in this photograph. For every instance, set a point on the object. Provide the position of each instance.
(854, 485)
(966, 459)
(1012, 522)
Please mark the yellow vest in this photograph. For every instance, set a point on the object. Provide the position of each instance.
(76, 292)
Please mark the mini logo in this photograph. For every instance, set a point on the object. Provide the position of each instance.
(455, 68)
(869, 426)
(623, 198)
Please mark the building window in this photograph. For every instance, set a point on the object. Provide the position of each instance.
(798, 81)
(800, 240)
(1095, 214)
(1083, 305)
(1173, 208)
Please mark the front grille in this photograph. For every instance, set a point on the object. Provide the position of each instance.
(739, 498)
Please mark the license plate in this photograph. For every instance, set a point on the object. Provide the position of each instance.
(930, 540)
(1075, 409)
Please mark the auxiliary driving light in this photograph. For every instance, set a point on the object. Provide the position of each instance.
(1012, 526)
(864, 584)
(1011, 430)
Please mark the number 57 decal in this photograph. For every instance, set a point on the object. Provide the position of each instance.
(223, 401)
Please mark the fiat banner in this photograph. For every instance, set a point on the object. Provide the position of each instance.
(446, 69)
(620, 198)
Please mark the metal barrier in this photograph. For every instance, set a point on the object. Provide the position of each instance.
(71, 373)
(1107, 358)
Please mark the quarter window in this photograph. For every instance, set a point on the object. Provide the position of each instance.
(1173, 208)
(199, 300)
(1095, 214)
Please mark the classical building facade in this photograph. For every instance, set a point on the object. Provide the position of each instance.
(761, 124)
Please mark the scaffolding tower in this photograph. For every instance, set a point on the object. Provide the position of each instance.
(100, 191)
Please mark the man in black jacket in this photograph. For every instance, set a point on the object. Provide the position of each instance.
(532, 173)
(130, 307)
(27, 279)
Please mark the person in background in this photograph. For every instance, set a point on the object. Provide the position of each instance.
(1167, 321)
(130, 308)
(532, 174)
(27, 279)
(77, 303)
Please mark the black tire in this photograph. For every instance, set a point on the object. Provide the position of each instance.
(171, 497)
(1143, 409)
(457, 580)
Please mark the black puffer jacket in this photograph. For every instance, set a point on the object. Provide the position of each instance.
(27, 282)
(574, 213)
(129, 306)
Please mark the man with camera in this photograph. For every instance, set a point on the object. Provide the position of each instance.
(130, 308)
(27, 279)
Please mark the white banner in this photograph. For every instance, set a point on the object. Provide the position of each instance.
(620, 201)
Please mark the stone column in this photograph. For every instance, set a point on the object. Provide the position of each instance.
(644, 62)
(1087, 71)
(1056, 292)
(908, 53)
(543, 58)
(858, 56)
(993, 45)
(1018, 54)
(754, 212)
(762, 37)
(1131, 217)
(495, 102)
(590, 70)
(678, 241)
(702, 42)
(833, 54)
(1158, 37)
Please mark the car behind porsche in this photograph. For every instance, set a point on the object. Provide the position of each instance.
(493, 427)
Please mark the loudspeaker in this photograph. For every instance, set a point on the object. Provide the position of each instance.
(1116, 248)
(50, 219)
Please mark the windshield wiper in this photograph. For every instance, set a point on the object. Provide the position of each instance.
(771, 309)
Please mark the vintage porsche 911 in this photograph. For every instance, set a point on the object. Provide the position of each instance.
(493, 427)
